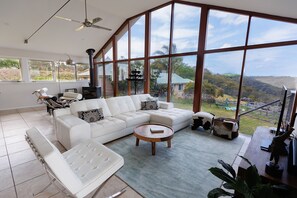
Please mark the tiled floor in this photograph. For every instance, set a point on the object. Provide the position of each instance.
(21, 174)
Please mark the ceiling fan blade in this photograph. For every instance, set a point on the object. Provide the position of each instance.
(96, 20)
(100, 27)
(67, 19)
(80, 28)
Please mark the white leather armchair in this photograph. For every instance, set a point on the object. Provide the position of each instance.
(81, 170)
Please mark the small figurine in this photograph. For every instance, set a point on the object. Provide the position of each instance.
(277, 148)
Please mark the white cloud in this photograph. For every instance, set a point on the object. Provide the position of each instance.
(185, 12)
(162, 31)
(284, 33)
(226, 45)
(184, 33)
(162, 15)
(229, 18)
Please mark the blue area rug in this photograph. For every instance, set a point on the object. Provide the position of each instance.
(179, 171)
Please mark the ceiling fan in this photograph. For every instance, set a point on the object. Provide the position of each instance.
(86, 23)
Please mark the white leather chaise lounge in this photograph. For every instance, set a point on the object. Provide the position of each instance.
(81, 170)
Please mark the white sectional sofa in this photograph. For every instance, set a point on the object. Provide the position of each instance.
(121, 115)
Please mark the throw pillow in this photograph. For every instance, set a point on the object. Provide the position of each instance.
(93, 115)
(149, 105)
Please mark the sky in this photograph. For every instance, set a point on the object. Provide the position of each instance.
(223, 30)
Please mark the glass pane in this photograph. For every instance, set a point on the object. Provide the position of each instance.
(160, 31)
(83, 72)
(182, 81)
(137, 37)
(108, 56)
(266, 70)
(225, 30)
(109, 81)
(10, 69)
(100, 76)
(122, 44)
(139, 66)
(99, 58)
(186, 28)
(268, 31)
(65, 72)
(122, 78)
(159, 78)
(221, 83)
(41, 70)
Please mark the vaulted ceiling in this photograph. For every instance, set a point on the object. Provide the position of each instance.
(20, 18)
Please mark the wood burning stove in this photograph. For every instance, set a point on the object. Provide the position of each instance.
(92, 91)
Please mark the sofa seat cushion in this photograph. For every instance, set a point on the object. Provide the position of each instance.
(170, 117)
(91, 160)
(107, 125)
(134, 118)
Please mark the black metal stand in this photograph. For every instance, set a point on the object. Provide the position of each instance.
(135, 77)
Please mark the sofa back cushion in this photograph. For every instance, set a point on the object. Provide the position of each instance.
(138, 98)
(55, 160)
(121, 104)
(86, 105)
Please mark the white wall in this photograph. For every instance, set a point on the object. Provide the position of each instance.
(15, 95)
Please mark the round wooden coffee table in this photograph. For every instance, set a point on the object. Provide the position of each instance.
(144, 133)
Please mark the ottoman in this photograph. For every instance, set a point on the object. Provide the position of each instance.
(202, 119)
(226, 127)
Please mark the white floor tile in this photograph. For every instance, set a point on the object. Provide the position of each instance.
(16, 147)
(14, 124)
(8, 193)
(4, 163)
(5, 179)
(26, 189)
(13, 132)
(21, 157)
(27, 171)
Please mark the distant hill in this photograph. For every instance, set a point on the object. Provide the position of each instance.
(260, 89)
(278, 81)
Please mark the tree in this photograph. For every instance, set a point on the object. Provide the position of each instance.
(9, 63)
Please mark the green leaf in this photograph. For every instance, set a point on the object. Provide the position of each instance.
(222, 175)
(263, 190)
(217, 192)
(242, 188)
(228, 167)
(245, 159)
(252, 176)
(228, 186)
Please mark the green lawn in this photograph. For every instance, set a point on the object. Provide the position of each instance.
(248, 124)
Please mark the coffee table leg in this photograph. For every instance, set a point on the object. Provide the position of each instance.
(169, 143)
(153, 148)
(137, 142)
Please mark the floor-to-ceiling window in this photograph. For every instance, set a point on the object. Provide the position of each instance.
(239, 53)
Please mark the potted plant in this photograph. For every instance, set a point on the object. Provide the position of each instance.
(248, 187)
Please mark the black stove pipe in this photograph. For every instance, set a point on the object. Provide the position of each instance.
(90, 52)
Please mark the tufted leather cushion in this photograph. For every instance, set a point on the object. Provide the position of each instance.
(93, 163)
(133, 119)
(121, 104)
(170, 117)
(93, 115)
(86, 105)
(106, 126)
(138, 98)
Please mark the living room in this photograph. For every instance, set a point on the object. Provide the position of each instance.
(222, 57)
